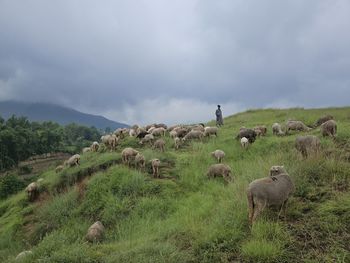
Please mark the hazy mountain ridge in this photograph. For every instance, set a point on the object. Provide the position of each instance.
(56, 113)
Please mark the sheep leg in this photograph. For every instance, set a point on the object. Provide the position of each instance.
(283, 209)
(259, 208)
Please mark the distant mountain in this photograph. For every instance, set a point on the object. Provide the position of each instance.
(51, 112)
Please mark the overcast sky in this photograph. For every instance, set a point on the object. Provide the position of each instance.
(174, 61)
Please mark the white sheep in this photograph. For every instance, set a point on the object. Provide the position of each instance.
(158, 131)
(177, 142)
(244, 142)
(147, 139)
(94, 146)
(218, 155)
(140, 161)
(128, 154)
(193, 135)
(159, 144)
(208, 131)
(173, 134)
(73, 160)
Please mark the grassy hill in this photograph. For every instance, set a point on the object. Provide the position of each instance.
(184, 216)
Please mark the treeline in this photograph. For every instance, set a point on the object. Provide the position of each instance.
(20, 139)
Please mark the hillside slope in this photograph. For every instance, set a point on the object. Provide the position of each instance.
(184, 216)
(56, 113)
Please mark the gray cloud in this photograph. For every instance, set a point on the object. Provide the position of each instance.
(119, 58)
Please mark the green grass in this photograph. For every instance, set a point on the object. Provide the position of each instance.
(184, 216)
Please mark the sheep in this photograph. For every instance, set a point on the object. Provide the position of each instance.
(248, 133)
(155, 167)
(32, 191)
(110, 140)
(95, 146)
(277, 169)
(198, 128)
(23, 255)
(244, 142)
(268, 191)
(218, 155)
(59, 168)
(260, 130)
(150, 130)
(173, 134)
(220, 169)
(323, 120)
(307, 144)
(181, 132)
(159, 144)
(95, 232)
(142, 134)
(161, 125)
(132, 132)
(147, 139)
(296, 126)
(158, 131)
(73, 160)
(329, 128)
(193, 135)
(149, 126)
(140, 161)
(128, 154)
(208, 131)
(86, 149)
(118, 132)
(177, 142)
(277, 129)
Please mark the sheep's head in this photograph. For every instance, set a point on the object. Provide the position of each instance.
(276, 170)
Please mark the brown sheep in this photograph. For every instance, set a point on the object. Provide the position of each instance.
(307, 145)
(329, 128)
(323, 120)
(260, 130)
(155, 168)
(159, 144)
(222, 170)
(95, 232)
(268, 191)
(193, 135)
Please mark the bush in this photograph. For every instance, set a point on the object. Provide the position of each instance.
(10, 184)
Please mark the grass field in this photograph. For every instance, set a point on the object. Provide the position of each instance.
(184, 216)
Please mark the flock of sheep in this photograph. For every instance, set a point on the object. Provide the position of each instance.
(272, 190)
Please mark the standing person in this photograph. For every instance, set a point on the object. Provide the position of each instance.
(219, 120)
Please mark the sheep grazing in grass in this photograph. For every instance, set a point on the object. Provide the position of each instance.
(218, 155)
(147, 139)
(260, 130)
(173, 134)
(158, 131)
(221, 170)
(155, 167)
(32, 191)
(193, 135)
(95, 232)
(142, 134)
(132, 133)
(323, 119)
(208, 131)
(277, 129)
(73, 160)
(86, 149)
(140, 161)
(329, 128)
(248, 133)
(244, 143)
(307, 145)
(177, 142)
(198, 128)
(21, 256)
(128, 154)
(181, 132)
(159, 144)
(59, 168)
(110, 141)
(296, 126)
(269, 191)
(95, 146)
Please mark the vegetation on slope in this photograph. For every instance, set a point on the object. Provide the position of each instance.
(184, 216)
